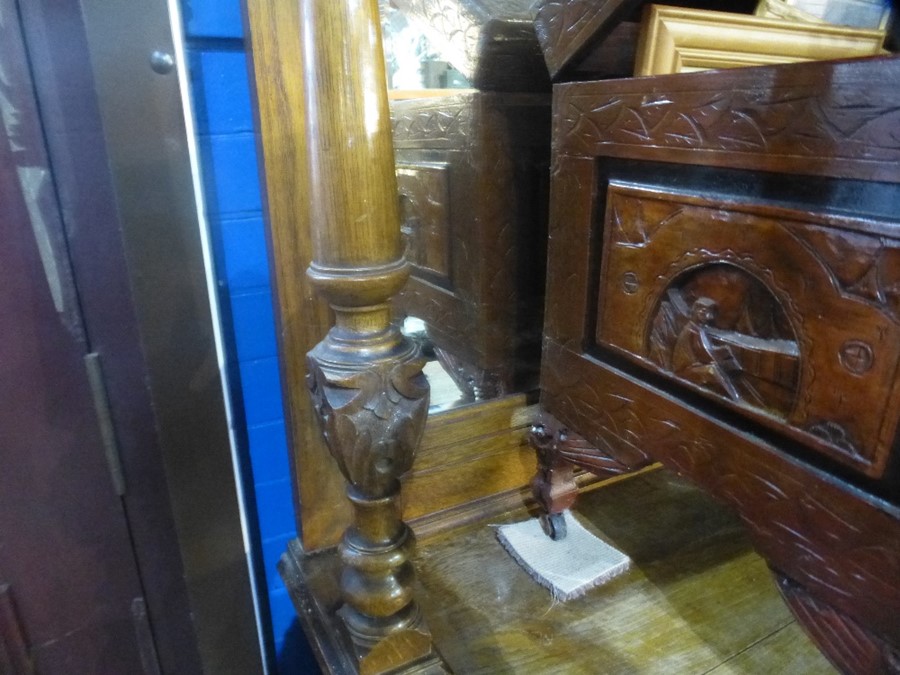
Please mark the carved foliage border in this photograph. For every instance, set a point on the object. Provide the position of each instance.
(726, 114)
(439, 122)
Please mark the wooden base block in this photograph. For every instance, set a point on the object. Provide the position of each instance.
(312, 579)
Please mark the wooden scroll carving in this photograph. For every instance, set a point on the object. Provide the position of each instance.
(559, 450)
(365, 378)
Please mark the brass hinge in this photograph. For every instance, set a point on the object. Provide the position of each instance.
(104, 419)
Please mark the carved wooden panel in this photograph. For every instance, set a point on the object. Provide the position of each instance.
(805, 118)
(566, 27)
(425, 216)
(849, 646)
(723, 261)
(789, 315)
(840, 544)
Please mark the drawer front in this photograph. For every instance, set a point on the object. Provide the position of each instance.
(790, 317)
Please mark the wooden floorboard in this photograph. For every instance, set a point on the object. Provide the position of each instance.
(697, 600)
(781, 650)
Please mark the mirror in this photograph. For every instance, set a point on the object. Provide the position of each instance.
(472, 171)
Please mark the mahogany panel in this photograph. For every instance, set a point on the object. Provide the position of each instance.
(722, 294)
(571, 215)
(849, 646)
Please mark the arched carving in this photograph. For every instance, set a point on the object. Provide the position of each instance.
(719, 327)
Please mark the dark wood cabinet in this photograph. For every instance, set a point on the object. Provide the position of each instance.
(723, 295)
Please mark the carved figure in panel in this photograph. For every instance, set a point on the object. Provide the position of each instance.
(720, 328)
(734, 298)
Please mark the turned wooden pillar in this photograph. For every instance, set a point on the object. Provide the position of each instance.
(365, 378)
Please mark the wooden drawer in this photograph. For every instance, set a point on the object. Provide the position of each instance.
(789, 316)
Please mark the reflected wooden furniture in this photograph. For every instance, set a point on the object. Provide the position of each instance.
(472, 176)
(472, 173)
(491, 42)
(724, 297)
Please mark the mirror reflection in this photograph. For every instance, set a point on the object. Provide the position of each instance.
(472, 172)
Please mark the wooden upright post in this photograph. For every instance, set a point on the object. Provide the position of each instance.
(365, 378)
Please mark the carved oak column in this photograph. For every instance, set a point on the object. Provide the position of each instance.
(365, 378)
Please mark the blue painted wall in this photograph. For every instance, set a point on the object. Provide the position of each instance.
(217, 66)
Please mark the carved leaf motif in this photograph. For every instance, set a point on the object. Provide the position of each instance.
(385, 403)
(436, 124)
(864, 267)
(799, 120)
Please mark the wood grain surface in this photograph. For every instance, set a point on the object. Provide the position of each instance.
(303, 318)
(697, 600)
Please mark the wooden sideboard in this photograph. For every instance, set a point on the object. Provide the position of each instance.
(724, 297)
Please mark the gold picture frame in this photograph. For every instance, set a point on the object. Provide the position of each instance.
(677, 40)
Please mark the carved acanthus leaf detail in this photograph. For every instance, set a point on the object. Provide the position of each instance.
(372, 419)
